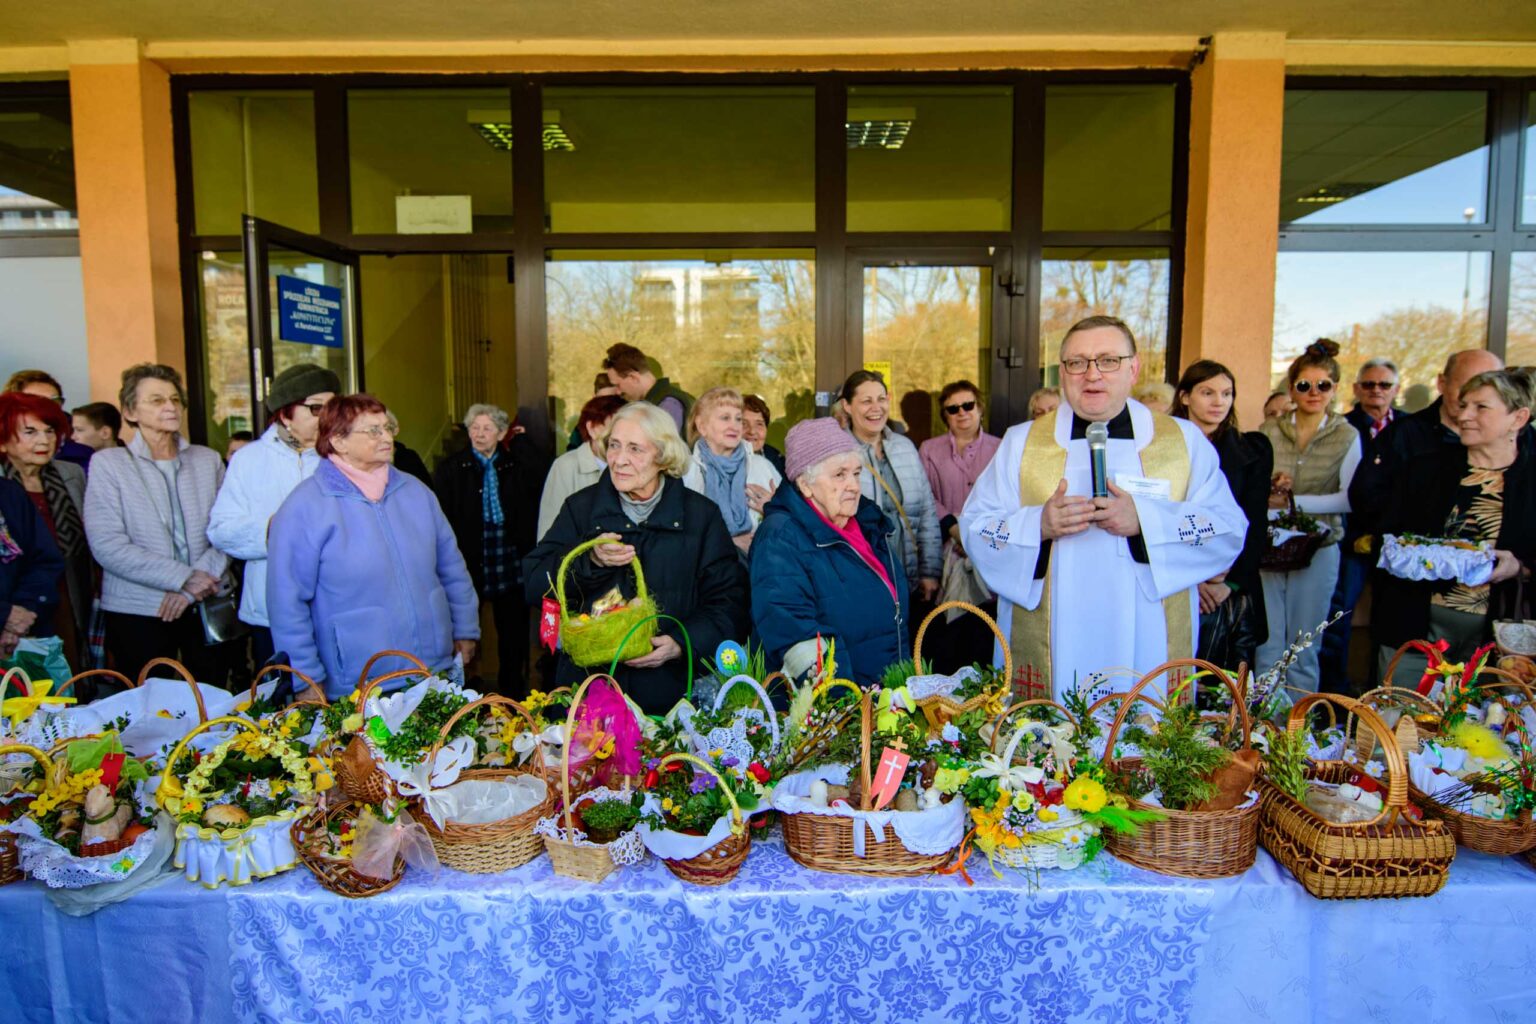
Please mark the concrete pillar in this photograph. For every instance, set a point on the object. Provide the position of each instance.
(1237, 111)
(125, 184)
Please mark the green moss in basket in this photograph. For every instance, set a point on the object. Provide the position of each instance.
(1180, 758)
(1286, 763)
(606, 820)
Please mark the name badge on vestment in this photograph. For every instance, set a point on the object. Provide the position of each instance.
(1144, 486)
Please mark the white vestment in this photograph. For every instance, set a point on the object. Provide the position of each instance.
(1106, 608)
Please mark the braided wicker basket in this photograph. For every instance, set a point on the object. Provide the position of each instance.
(1189, 844)
(825, 842)
(587, 862)
(721, 862)
(613, 636)
(1390, 855)
(337, 875)
(499, 845)
(357, 771)
(10, 855)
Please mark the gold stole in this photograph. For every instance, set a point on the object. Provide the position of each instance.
(1040, 471)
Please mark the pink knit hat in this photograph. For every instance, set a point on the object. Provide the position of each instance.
(810, 441)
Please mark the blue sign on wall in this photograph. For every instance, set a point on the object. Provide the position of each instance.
(308, 313)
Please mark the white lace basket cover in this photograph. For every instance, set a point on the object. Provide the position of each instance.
(57, 868)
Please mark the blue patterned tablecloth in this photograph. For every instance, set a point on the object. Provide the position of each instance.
(1105, 943)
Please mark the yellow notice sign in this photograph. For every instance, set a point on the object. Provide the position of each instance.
(883, 368)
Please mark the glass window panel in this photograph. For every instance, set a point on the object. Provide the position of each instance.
(1528, 179)
(744, 319)
(925, 327)
(37, 164)
(1520, 345)
(446, 152)
(687, 158)
(1109, 157)
(1131, 284)
(253, 152)
(226, 346)
(1384, 156)
(1414, 308)
(930, 158)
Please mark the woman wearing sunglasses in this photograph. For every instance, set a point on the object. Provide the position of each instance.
(1316, 452)
(953, 461)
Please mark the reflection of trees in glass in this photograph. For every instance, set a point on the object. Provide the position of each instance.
(1418, 338)
(1520, 349)
(747, 324)
(1135, 290)
(926, 322)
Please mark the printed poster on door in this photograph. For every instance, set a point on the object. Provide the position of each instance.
(308, 313)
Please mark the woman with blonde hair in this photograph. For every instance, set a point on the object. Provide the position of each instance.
(724, 467)
(641, 510)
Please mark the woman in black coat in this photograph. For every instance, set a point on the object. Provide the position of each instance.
(30, 570)
(691, 567)
(1481, 490)
(494, 535)
(1232, 619)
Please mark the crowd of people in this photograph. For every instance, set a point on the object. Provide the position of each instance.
(1122, 521)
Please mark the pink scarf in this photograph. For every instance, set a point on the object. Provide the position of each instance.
(371, 482)
(850, 532)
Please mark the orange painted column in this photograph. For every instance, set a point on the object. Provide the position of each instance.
(125, 185)
(1237, 111)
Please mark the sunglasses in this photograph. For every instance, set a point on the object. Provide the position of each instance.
(1377, 385)
(1303, 386)
(960, 407)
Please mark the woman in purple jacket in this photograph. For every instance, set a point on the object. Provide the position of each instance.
(361, 559)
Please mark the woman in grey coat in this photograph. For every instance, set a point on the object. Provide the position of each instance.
(895, 480)
(146, 514)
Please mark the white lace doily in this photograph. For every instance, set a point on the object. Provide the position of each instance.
(629, 848)
(1472, 567)
(940, 685)
(57, 868)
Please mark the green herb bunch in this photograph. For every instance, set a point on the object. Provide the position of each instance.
(419, 731)
(1286, 762)
(612, 815)
(1180, 758)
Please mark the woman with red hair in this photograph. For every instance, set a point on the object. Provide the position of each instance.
(31, 430)
(361, 559)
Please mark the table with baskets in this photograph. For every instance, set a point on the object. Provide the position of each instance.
(782, 943)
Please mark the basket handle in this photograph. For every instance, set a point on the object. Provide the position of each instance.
(1397, 769)
(170, 762)
(1034, 702)
(312, 686)
(866, 731)
(365, 684)
(699, 762)
(1505, 680)
(575, 553)
(486, 701)
(36, 755)
(90, 673)
(613, 666)
(991, 623)
(12, 673)
(181, 670)
(1238, 703)
(570, 735)
(762, 695)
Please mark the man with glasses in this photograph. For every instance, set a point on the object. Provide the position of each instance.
(1090, 583)
(260, 476)
(1376, 387)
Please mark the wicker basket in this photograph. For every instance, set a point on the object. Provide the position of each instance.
(1039, 855)
(938, 709)
(358, 773)
(313, 693)
(603, 638)
(1190, 844)
(1293, 554)
(10, 854)
(586, 861)
(498, 845)
(1390, 855)
(825, 842)
(721, 862)
(332, 874)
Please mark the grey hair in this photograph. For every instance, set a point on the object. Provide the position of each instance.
(1515, 387)
(1379, 363)
(809, 474)
(497, 414)
(672, 456)
(128, 395)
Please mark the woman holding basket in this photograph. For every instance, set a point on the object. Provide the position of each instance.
(640, 519)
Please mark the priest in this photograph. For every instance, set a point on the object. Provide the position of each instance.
(1087, 584)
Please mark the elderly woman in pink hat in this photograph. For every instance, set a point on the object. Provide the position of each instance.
(823, 577)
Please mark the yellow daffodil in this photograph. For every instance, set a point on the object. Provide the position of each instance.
(1086, 794)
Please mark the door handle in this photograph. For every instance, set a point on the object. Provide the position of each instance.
(1010, 357)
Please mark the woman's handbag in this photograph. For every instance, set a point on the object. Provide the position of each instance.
(220, 615)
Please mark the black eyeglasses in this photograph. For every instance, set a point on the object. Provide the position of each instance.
(1376, 385)
(315, 408)
(960, 407)
(1323, 386)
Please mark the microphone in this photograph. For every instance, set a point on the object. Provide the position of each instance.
(1098, 440)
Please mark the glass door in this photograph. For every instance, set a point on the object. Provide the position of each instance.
(302, 296)
(924, 319)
